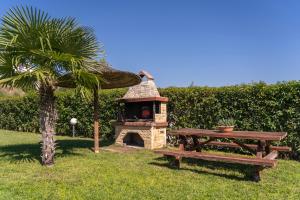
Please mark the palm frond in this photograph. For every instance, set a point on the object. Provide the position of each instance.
(28, 79)
(84, 92)
(49, 47)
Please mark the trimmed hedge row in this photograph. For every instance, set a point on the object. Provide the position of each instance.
(22, 113)
(254, 107)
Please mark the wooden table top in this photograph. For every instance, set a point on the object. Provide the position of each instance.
(254, 135)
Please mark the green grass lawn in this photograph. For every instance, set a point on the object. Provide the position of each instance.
(80, 174)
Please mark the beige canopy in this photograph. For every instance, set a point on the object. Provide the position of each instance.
(112, 78)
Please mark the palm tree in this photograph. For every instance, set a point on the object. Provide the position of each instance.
(36, 51)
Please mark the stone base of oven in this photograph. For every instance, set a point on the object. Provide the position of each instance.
(153, 137)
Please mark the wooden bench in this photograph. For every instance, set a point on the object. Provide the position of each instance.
(260, 163)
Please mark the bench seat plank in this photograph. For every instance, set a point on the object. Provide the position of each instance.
(215, 157)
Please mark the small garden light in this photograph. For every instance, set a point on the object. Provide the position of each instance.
(73, 122)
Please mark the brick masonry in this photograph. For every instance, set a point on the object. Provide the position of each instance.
(153, 137)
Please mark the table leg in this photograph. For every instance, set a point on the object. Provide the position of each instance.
(257, 171)
(182, 143)
(268, 147)
(261, 149)
(260, 152)
(197, 144)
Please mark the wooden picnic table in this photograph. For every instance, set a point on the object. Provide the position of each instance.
(265, 153)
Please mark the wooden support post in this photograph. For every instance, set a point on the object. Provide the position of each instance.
(96, 120)
(197, 145)
(268, 147)
(260, 152)
(257, 171)
(182, 142)
(263, 146)
(181, 146)
(177, 162)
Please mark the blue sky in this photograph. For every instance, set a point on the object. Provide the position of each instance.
(208, 42)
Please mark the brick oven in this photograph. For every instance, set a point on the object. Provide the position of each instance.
(143, 120)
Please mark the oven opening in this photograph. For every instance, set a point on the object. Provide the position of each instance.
(133, 139)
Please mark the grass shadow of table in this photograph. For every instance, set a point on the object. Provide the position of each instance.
(18, 153)
(209, 167)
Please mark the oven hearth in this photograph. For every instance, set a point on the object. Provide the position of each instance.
(133, 139)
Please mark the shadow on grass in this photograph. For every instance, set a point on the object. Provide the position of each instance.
(247, 171)
(19, 153)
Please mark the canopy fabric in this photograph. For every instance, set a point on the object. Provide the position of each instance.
(112, 78)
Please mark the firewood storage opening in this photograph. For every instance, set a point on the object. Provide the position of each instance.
(133, 139)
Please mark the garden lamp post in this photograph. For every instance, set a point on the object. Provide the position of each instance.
(73, 122)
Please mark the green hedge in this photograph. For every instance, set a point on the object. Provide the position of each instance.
(254, 106)
(22, 114)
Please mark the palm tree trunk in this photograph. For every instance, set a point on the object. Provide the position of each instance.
(47, 123)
